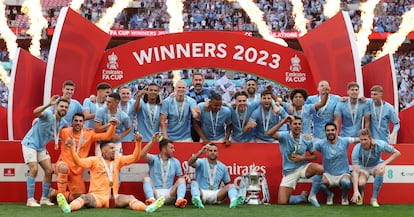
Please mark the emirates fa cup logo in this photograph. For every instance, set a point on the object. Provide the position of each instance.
(295, 64)
(112, 64)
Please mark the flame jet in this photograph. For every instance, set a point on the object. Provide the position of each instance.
(395, 40)
(300, 20)
(256, 15)
(33, 9)
(331, 7)
(176, 24)
(367, 16)
(76, 5)
(7, 34)
(108, 18)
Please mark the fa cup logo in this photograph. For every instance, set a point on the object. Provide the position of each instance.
(112, 64)
(295, 64)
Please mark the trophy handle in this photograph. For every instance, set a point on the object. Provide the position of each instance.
(265, 190)
(237, 182)
(241, 183)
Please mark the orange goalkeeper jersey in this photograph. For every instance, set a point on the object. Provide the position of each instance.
(99, 179)
(82, 148)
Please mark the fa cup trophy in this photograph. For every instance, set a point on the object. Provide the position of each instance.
(251, 184)
(253, 188)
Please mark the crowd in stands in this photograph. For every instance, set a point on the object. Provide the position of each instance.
(4, 55)
(404, 65)
(4, 93)
(218, 14)
(404, 68)
(165, 81)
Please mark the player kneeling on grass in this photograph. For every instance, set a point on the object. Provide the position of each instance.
(104, 171)
(209, 174)
(366, 161)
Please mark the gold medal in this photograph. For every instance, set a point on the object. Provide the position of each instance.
(111, 184)
(211, 187)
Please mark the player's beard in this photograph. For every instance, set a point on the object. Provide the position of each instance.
(112, 156)
(212, 157)
(77, 128)
(251, 90)
(61, 113)
(109, 156)
(331, 137)
(198, 87)
(169, 155)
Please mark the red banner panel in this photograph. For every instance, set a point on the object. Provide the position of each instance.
(76, 49)
(4, 128)
(332, 53)
(27, 84)
(202, 49)
(381, 72)
(239, 158)
(406, 133)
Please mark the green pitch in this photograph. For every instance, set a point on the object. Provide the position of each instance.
(20, 210)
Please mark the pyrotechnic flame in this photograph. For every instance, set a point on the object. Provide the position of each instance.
(367, 17)
(8, 35)
(331, 7)
(4, 76)
(395, 40)
(300, 20)
(256, 15)
(108, 18)
(175, 9)
(33, 9)
(176, 24)
(176, 76)
(76, 5)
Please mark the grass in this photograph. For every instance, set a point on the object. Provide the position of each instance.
(20, 210)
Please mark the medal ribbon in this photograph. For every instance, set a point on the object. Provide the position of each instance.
(109, 171)
(165, 168)
(211, 174)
